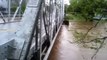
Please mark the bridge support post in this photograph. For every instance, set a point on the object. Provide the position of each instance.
(9, 9)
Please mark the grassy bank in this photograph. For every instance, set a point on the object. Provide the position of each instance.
(76, 17)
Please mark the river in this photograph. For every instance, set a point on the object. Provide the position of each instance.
(74, 43)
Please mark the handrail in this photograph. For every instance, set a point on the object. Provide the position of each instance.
(38, 21)
(39, 9)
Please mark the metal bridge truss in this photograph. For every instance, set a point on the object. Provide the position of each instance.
(33, 37)
(49, 19)
(13, 9)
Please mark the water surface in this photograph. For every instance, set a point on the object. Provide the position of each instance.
(68, 45)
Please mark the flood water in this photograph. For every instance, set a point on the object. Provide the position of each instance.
(71, 44)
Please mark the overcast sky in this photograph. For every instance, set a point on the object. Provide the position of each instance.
(66, 2)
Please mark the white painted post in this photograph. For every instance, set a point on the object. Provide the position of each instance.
(20, 9)
(9, 9)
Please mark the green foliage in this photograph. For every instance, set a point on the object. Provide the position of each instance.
(68, 17)
(74, 17)
(13, 9)
(23, 7)
(87, 8)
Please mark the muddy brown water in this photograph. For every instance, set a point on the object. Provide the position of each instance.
(66, 46)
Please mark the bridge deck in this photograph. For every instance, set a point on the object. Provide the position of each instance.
(63, 49)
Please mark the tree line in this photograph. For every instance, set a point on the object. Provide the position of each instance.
(88, 8)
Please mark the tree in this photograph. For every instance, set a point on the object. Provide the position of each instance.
(87, 8)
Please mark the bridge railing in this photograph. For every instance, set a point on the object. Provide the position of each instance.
(31, 37)
(49, 17)
(13, 10)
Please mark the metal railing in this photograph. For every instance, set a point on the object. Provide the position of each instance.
(50, 14)
(12, 10)
(31, 38)
(17, 10)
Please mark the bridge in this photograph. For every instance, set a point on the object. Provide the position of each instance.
(28, 30)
